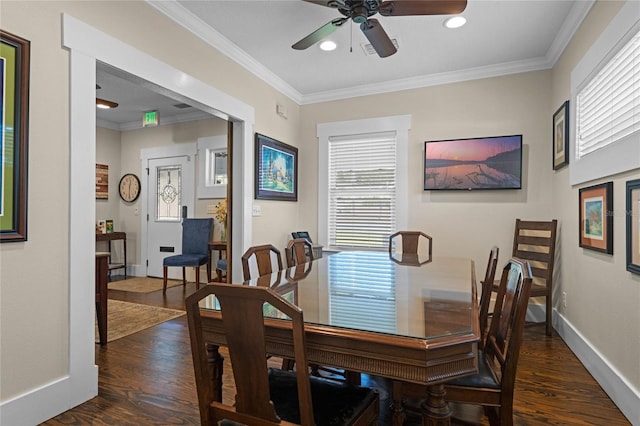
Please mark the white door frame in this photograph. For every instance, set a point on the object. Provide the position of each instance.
(146, 154)
(86, 45)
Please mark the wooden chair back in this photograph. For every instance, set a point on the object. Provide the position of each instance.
(298, 251)
(264, 257)
(243, 322)
(410, 241)
(485, 295)
(501, 351)
(535, 242)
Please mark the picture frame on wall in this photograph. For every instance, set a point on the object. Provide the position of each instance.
(633, 226)
(14, 126)
(561, 136)
(276, 176)
(596, 217)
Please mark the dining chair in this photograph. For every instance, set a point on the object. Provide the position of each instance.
(409, 242)
(493, 386)
(535, 241)
(266, 396)
(485, 295)
(196, 234)
(260, 258)
(298, 251)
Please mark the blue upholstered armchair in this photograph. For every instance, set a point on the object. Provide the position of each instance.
(196, 234)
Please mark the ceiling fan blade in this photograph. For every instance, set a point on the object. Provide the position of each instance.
(319, 34)
(422, 7)
(378, 38)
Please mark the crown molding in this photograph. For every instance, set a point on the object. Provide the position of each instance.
(174, 11)
(164, 121)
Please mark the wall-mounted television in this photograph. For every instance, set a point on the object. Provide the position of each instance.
(476, 163)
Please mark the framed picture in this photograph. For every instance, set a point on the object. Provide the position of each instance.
(276, 170)
(561, 136)
(633, 226)
(482, 163)
(102, 181)
(596, 217)
(14, 117)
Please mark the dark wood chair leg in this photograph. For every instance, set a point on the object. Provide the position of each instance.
(164, 279)
(184, 276)
(197, 277)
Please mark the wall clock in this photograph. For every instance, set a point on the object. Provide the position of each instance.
(129, 187)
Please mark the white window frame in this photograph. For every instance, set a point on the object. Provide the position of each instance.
(400, 124)
(207, 147)
(623, 155)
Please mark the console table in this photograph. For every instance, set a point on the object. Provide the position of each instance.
(101, 294)
(111, 236)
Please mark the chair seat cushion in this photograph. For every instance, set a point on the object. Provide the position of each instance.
(186, 260)
(334, 402)
(484, 379)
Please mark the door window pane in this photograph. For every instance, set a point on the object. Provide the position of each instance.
(169, 193)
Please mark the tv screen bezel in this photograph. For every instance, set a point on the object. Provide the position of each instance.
(479, 188)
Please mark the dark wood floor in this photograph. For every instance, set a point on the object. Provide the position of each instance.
(147, 379)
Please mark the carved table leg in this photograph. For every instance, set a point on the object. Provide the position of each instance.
(216, 362)
(435, 410)
(397, 409)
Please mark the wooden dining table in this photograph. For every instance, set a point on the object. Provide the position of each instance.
(407, 319)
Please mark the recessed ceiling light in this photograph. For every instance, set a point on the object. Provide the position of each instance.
(455, 22)
(328, 45)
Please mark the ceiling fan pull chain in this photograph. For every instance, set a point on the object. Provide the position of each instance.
(351, 38)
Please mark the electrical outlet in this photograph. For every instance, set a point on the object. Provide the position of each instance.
(564, 299)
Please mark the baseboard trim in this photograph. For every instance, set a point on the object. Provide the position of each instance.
(626, 398)
(49, 400)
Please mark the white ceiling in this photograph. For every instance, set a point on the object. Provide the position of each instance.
(500, 37)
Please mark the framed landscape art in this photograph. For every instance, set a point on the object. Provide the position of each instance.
(476, 163)
(14, 127)
(276, 170)
(633, 226)
(596, 217)
(561, 136)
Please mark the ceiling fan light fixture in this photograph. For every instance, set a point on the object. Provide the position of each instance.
(328, 45)
(105, 104)
(455, 22)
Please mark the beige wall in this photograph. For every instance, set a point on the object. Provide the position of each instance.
(34, 311)
(603, 299)
(461, 223)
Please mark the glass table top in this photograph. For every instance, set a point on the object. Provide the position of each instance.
(411, 296)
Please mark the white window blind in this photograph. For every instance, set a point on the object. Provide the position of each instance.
(365, 296)
(362, 190)
(608, 107)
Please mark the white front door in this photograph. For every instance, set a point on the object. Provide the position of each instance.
(171, 197)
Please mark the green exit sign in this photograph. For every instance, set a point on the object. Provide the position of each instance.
(150, 119)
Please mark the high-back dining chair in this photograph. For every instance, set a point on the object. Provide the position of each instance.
(196, 234)
(485, 295)
(493, 386)
(535, 241)
(410, 241)
(298, 251)
(262, 258)
(267, 396)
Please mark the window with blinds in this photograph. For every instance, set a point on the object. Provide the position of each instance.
(363, 297)
(362, 190)
(608, 107)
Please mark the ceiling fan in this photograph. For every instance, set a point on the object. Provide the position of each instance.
(360, 11)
